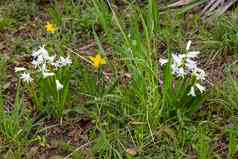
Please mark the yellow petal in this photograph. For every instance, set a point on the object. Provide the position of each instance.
(50, 27)
(97, 60)
(98, 57)
(103, 61)
(91, 58)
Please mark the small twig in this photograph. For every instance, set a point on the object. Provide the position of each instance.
(80, 56)
(179, 3)
(79, 148)
(92, 44)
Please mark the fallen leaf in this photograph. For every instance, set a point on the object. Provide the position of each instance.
(131, 151)
(56, 157)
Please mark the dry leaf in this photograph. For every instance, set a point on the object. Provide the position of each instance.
(131, 151)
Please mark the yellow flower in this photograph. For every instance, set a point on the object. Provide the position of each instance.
(50, 28)
(97, 61)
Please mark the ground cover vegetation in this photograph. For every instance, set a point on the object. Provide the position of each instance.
(118, 79)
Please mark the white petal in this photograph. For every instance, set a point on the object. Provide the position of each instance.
(35, 63)
(200, 74)
(192, 92)
(43, 68)
(26, 77)
(188, 45)
(18, 69)
(177, 59)
(44, 52)
(181, 72)
(62, 62)
(163, 61)
(191, 65)
(59, 86)
(41, 51)
(51, 59)
(178, 71)
(200, 87)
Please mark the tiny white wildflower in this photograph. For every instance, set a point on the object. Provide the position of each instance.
(178, 71)
(56, 64)
(192, 92)
(200, 87)
(174, 68)
(51, 59)
(65, 61)
(36, 63)
(59, 86)
(26, 77)
(163, 61)
(190, 64)
(19, 69)
(41, 56)
(40, 52)
(177, 59)
(43, 68)
(199, 73)
(62, 62)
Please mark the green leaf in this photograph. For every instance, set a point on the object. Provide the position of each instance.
(102, 143)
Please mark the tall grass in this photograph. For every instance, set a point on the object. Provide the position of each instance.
(222, 39)
(15, 126)
(144, 102)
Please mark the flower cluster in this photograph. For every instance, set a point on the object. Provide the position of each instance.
(184, 65)
(45, 64)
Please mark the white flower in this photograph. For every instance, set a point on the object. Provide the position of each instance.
(62, 62)
(175, 68)
(65, 61)
(188, 45)
(200, 87)
(59, 86)
(19, 69)
(26, 77)
(43, 68)
(56, 64)
(51, 59)
(191, 65)
(192, 92)
(178, 71)
(41, 56)
(177, 59)
(36, 63)
(47, 74)
(40, 52)
(199, 73)
(163, 61)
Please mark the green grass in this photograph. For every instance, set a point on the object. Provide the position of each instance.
(222, 39)
(121, 109)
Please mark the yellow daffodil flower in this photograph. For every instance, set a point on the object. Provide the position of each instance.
(97, 61)
(50, 28)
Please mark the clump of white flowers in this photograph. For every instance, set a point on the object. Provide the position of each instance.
(44, 64)
(184, 65)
